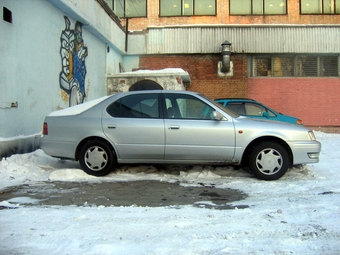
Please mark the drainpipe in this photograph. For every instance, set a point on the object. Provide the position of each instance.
(226, 52)
(126, 34)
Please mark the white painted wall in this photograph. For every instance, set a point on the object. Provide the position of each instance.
(30, 61)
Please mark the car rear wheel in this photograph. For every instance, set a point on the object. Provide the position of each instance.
(268, 161)
(97, 158)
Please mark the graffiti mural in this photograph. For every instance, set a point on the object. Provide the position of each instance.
(73, 54)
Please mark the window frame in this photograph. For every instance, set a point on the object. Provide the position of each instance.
(257, 14)
(182, 14)
(336, 8)
(114, 4)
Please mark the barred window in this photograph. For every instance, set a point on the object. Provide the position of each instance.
(187, 7)
(320, 6)
(295, 66)
(257, 7)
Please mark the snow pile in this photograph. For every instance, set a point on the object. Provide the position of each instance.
(298, 214)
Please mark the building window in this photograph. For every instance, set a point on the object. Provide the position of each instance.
(320, 6)
(187, 7)
(128, 8)
(295, 66)
(258, 7)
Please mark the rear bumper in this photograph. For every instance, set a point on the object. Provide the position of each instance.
(57, 148)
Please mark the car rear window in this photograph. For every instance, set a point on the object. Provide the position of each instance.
(77, 109)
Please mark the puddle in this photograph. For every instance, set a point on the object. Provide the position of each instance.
(136, 193)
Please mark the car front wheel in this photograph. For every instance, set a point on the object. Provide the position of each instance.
(268, 161)
(97, 158)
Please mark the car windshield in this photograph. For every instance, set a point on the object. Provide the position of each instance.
(224, 109)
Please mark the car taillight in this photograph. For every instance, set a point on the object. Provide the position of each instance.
(45, 129)
(299, 122)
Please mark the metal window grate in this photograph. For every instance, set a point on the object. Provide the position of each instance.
(295, 66)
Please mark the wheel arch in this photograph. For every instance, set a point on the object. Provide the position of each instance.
(258, 140)
(85, 140)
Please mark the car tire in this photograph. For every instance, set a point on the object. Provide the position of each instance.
(97, 158)
(268, 161)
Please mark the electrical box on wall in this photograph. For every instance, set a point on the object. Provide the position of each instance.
(8, 105)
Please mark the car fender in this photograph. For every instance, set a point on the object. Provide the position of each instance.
(250, 132)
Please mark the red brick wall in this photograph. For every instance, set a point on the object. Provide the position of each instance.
(315, 100)
(203, 72)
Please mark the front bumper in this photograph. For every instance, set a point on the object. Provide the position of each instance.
(305, 152)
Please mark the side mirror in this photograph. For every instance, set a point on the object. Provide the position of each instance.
(217, 115)
(265, 114)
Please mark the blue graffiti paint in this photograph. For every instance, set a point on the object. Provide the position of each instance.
(73, 54)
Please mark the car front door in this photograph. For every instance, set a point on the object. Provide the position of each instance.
(192, 133)
(134, 124)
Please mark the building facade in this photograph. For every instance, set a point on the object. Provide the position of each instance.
(54, 54)
(58, 53)
(285, 52)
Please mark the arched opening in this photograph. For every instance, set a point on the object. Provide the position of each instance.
(145, 85)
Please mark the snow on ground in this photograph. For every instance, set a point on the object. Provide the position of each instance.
(298, 214)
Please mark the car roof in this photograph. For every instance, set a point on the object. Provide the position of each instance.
(161, 91)
(157, 91)
(80, 108)
(236, 99)
(121, 94)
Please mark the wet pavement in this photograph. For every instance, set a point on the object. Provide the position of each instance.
(133, 193)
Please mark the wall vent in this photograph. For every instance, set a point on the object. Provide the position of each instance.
(7, 15)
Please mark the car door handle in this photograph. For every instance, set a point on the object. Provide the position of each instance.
(174, 127)
(113, 126)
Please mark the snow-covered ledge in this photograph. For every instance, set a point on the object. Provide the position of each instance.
(167, 79)
(19, 144)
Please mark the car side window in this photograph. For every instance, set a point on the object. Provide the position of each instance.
(237, 107)
(187, 107)
(254, 109)
(135, 106)
(271, 114)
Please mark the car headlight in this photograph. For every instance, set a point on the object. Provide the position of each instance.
(311, 135)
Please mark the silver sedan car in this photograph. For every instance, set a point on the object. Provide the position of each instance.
(173, 127)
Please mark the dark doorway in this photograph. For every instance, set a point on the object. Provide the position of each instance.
(145, 85)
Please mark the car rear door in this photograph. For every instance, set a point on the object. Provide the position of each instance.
(135, 125)
(193, 134)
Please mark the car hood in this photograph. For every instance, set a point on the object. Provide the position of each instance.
(266, 126)
(263, 121)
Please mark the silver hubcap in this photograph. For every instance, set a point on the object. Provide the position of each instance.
(96, 158)
(269, 161)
